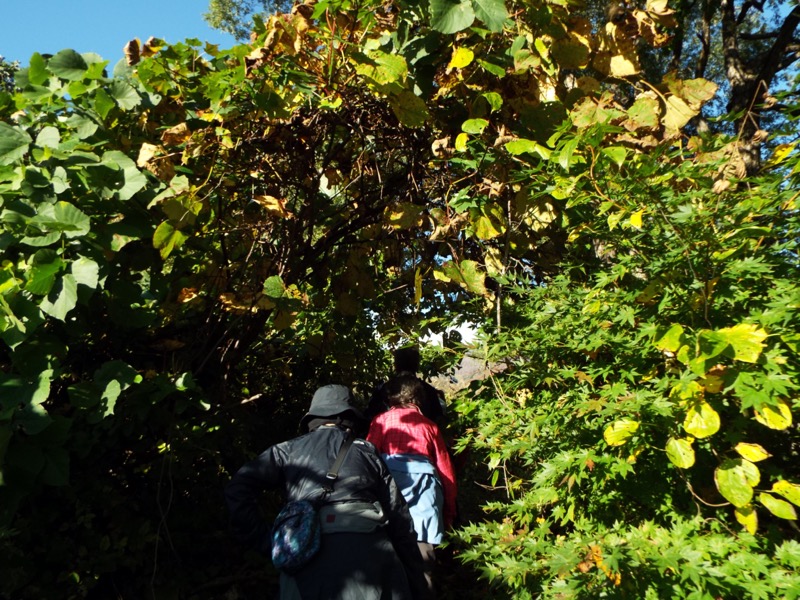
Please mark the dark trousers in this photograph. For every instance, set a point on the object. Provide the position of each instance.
(428, 565)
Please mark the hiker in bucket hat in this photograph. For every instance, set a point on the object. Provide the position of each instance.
(368, 547)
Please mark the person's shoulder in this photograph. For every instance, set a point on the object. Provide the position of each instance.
(366, 448)
(364, 444)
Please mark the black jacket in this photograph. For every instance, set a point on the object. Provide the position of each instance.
(298, 467)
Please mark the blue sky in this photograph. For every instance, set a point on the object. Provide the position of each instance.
(100, 26)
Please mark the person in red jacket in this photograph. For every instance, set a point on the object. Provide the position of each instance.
(413, 448)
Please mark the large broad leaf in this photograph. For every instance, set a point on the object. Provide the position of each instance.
(670, 340)
(492, 13)
(571, 54)
(461, 58)
(70, 220)
(620, 431)
(701, 420)
(775, 417)
(48, 137)
(42, 274)
(409, 108)
(747, 517)
(86, 272)
(382, 68)
(790, 491)
(83, 126)
(474, 126)
(134, 179)
(62, 298)
(522, 146)
(695, 92)
(643, 114)
(746, 339)
(677, 113)
(752, 452)
(680, 452)
(779, 508)
(466, 273)
(735, 479)
(166, 238)
(68, 65)
(274, 287)
(26, 399)
(448, 16)
(14, 143)
(125, 94)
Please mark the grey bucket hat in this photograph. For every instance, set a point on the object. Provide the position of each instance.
(330, 401)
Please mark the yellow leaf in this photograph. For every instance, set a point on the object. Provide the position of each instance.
(494, 261)
(404, 215)
(747, 517)
(747, 340)
(461, 58)
(701, 420)
(781, 153)
(624, 65)
(670, 340)
(276, 206)
(790, 491)
(685, 392)
(636, 219)
(713, 381)
(775, 417)
(752, 452)
(620, 432)
(461, 142)
(678, 113)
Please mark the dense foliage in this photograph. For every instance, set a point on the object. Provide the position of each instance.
(193, 244)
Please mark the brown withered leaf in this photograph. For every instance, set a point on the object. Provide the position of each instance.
(255, 60)
(132, 53)
(176, 135)
(151, 47)
(154, 159)
(187, 295)
(441, 149)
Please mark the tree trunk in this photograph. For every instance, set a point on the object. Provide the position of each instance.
(750, 80)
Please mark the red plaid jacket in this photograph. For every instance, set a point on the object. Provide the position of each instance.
(405, 430)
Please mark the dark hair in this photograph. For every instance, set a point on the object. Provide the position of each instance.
(406, 359)
(404, 390)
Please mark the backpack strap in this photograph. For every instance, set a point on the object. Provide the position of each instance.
(333, 473)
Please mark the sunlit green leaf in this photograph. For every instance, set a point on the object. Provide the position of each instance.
(779, 508)
(474, 126)
(680, 452)
(14, 143)
(733, 481)
(62, 298)
(68, 65)
(86, 272)
(124, 93)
